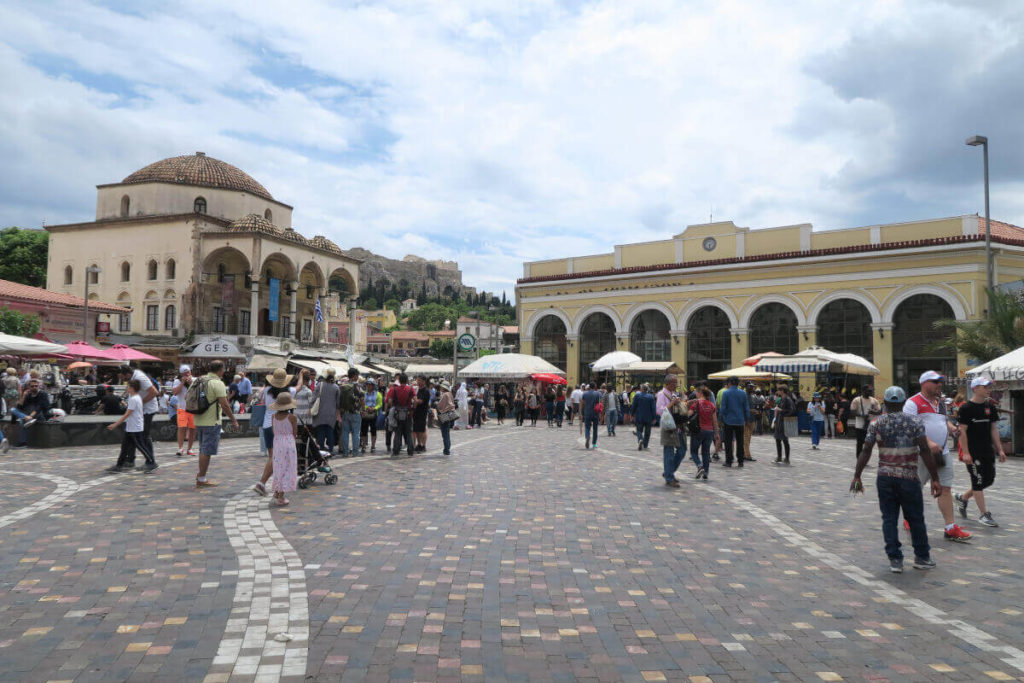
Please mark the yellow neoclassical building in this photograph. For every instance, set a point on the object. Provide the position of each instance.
(196, 246)
(716, 293)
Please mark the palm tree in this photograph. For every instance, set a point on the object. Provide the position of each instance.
(1000, 332)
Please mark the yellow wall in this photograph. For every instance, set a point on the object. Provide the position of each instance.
(693, 249)
(772, 241)
(583, 264)
(547, 268)
(648, 253)
(834, 239)
(921, 230)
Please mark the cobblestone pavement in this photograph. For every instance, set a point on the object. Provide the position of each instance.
(521, 557)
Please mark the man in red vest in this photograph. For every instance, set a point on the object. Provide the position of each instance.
(929, 406)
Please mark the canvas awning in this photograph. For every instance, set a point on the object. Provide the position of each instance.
(664, 367)
(385, 368)
(1007, 368)
(745, 373)
(428, 370)
(265, 361)
(508, 366)
(320, 367)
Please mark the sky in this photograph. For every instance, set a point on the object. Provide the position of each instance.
(494, 132)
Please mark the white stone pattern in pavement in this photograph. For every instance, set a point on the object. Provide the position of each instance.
(65, 489)
(973, 636)
(267, 634)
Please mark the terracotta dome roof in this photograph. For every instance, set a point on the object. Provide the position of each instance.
(321, 242)
(292, 235)
(200, 170)
(254, 223)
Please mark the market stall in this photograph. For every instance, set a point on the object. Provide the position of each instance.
(1007, 375)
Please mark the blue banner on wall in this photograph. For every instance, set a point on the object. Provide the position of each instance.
(275, 294)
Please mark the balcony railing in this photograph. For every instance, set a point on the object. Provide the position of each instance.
(220, 327)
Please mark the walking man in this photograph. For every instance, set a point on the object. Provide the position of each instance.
(244, 392)
(184, 419)
(929, 406)
(672, 456)
(150, 406)
(864, 408)
(349, 401)
(734, 411)
(133, 421)
(901, 442)
(208, 422)
(574, 400)
(979, 442)
(644, 411)
(401, 397)
(591, 418)
(611, 410)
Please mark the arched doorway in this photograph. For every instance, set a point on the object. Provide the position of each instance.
(597, 337)
(549, 341)
(914, 335)
(773, 328)
(277, 267)
(223, 293)
(844, 326)
(311, 279)
(650, 336)
(708, 348)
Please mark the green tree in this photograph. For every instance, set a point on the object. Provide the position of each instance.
(394, 304)
(428, 317)
(24, 256)
(442, 348)
(18, 323)
(1000, 332)
(370, 304)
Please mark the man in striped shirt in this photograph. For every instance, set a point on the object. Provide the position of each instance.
(901, 440)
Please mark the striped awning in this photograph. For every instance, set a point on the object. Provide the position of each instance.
(791, 365)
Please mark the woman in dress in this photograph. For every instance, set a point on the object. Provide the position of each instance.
(286, 429)
(462, 401)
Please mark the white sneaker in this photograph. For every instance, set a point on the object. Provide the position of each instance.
(5, 446)
(987, 520)
(28, 422)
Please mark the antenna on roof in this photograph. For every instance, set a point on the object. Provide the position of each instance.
(711, 214)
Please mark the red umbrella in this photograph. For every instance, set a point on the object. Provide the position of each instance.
(756, 358)
(548, 378)
(80, 348)
(127, 353)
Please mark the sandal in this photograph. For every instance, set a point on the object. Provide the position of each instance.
(281, 501)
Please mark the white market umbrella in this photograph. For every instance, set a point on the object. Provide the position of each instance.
(615, 360)
(850, 363)
(508, 366)
(817, 359)
(1007, 368)
(26, 346)
(747, 373)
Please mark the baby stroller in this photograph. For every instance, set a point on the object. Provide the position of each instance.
(311, 460)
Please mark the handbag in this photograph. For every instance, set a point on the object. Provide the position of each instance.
(448, 416)
(315, 409)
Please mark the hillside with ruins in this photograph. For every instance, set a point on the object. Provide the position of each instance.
(433, 278)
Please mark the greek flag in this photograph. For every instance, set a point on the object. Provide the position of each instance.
(318, 311)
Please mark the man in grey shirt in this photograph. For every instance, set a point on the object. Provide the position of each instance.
(329, 413)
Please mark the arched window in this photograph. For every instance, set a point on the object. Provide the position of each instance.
(914, 338)
(93, 274)
(549, 340)
(126, 204)
(649, 336)
(708, 346)
(69, 275)
(171, 266)
(151, 270)
(597, 337)
(268, 215)
(844, 326)
(170, 317)
(199, 205)
(126, 271)
(773, 328)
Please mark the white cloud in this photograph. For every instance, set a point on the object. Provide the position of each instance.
(494, 132)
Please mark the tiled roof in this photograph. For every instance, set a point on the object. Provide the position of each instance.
(254, 223)
(1003, 233)
(200, 170)
(442, 333)
(16, 290)
(291, 234)
(467, 319)
(409, 334)
(321, 242)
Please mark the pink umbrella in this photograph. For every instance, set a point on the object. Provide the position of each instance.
(81, 349)
(127, 353)
(756, 358)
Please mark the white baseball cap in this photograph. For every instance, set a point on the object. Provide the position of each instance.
(184, 368)
(931, 376)
(980, 382)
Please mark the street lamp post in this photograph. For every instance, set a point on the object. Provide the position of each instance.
(974, 141)
(85, 323)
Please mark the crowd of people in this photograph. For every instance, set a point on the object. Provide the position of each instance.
(343, 417)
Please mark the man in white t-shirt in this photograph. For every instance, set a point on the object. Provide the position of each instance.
(574, 399)
(133, 420)
(150, 405)
(929, 406)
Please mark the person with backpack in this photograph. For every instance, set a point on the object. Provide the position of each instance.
(401, 399)
(207, 400)
(326, 411)
(350, 399)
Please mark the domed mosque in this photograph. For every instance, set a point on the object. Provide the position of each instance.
(198, 248)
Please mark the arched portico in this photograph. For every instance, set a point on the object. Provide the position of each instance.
(582, 316)
(221, 293)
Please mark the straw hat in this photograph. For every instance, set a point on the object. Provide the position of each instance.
(279, 379)
(445, 385)
(284, 401)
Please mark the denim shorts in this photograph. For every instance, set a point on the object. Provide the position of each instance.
(209, 439)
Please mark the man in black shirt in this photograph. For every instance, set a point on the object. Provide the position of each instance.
(109, 403)
(419, 414)
(979, 443)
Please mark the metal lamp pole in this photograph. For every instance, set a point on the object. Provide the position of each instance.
(974, 141)
(85, 323)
